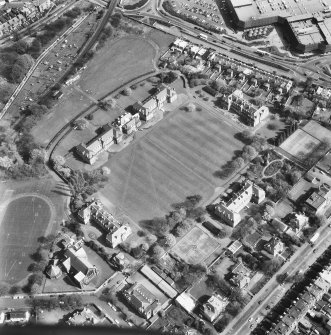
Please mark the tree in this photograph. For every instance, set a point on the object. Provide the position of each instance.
(80, 124)
(37, 267)
(4, 289)
(157, 251)
(127, 91)
(58, 161)
(34, 288)
(238, 163)
(183, 227)
(169, 240)
(191, 107)
(21, 46)
(250, 150)
(6, 91)
(111, 102)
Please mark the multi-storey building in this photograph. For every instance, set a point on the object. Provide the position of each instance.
(229, 209)
(214, 306)
(162, 95)
(89, 152)
(249, 113)
(117, 232)
(142, 300)
(320, 199)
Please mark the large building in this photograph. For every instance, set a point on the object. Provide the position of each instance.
(320, 199)
(89, 152)
(164, 94)
(77, 265)
(229, 209)
(93, 212)
(306, 22)
(126, 123)
(142, 300)
(249, 113)
(214, 306)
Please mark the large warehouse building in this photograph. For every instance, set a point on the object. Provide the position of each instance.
(307, 21)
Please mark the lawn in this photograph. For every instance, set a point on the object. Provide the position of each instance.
(177, 157)
(195, 246)
(26, 218)
(117, 64)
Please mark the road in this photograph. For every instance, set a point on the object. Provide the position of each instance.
(43, 21)
(272, 291)
(37, 62)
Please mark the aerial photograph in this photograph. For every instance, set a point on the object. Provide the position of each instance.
(165, 167)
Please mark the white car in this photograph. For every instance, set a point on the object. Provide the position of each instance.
(250, 319)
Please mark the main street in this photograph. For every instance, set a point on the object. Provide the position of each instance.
(271, 293)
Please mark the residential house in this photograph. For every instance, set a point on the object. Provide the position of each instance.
(320, 199)
(142, 300)
(293, 316)
(275, 246)
(240, 275)
(250, 114)
(77, 265)
(162, 95)
(84, 317)
(90, 151)
(42, 5)
(214, 306)
(117, 232)
(229, 209)
(17, 316)
(296, 222)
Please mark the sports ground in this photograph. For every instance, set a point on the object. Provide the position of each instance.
(195, 246)
(25, 219)
(176, 158)
(300, 144)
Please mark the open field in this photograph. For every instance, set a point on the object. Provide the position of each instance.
(28, 210)
(26, 218)
(195, 246)
(300, 144)
(130, 57)
(177, 157)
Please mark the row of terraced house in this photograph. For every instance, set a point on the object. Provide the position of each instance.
(15, 14)
(126, 124)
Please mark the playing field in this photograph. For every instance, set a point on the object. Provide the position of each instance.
(300, 144)
(25, 219)
(195, 246)
(176, 158)
(115, 65)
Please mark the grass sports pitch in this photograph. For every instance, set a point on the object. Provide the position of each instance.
(25, 219)
(300, 144)
(195, 246)
(176, 158)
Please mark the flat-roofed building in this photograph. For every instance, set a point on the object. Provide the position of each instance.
(320, 199)
(229, 209)
(214, 306)
(179, 44)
